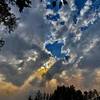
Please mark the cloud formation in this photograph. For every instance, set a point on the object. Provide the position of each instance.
(23, 55)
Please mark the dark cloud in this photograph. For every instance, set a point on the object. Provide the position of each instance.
(92, 60)
(30, 35)
(15, 46)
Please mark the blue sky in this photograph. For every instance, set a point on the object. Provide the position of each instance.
(24, 50)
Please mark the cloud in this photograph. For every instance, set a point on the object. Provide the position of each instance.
(23, 54)
(81, 79)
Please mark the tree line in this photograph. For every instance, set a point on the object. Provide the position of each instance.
(67, 93)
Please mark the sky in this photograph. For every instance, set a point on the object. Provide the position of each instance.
(42, 53)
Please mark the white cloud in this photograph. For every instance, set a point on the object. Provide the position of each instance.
(2, 77)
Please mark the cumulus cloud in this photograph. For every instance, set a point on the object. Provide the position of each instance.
(23, 53)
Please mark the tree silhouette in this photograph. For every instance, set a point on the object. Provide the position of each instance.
(7, 18)
(30, 98)
(39, 96)
(68, 93)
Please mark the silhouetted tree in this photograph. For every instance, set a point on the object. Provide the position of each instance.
(7, 18)
(68, 93)
(85, 95)
(39, 96)
(30, 98)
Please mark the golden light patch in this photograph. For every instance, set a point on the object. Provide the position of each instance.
(40, 72)
(96, 81)
(7, 88)
(51, 85)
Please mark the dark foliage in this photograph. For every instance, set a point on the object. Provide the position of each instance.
(68, 93)
(22, 3)
(7, 18)
(30, 98)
